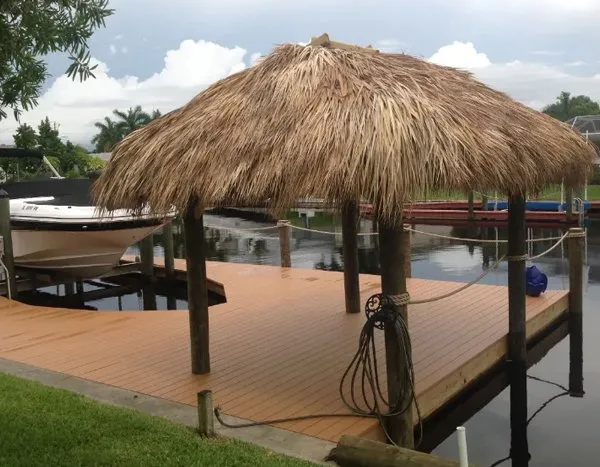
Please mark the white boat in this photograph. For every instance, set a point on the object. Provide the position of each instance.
(56, 227)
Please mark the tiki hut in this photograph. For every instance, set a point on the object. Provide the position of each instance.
(345, 124)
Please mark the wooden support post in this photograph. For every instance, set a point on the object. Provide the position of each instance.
(569, 203)
(69, 288)
(350, 252)
(471, 206)
(407, 253)
(197, 291)
(79, 287)
(285, 234)
(576, 241)
(167, 232)
(517, 339)
(5, 231)
(206, 416)
(146, 246)
(393, 282)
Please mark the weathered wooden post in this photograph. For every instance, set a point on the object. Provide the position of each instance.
(350, 253)
(471, 207)
(285, 234)
(206, 416)
(569, 203)
(193, 226)
(406, 244)
(517, 338)
(393, 282)
(167, 232)
(576, 239)
(5, 231)
(146, 246)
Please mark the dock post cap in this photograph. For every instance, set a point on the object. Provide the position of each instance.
(283, 222)
(324, 41)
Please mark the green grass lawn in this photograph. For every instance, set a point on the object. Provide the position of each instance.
(43, 426)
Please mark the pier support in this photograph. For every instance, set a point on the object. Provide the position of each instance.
(167, 232)
(471, 205)
(5, 231)
(285, 234)
(393, 282)
(517, 338)
(350, 252)
(407, 253)
(193, 225)
(146, 246)
(576, 240)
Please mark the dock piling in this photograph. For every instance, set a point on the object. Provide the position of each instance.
(576, 240)
(392, 252)
(206, 416)
(167, 232)
(7, 257)
(471, 205)
(197, 290)
(407, 253)
(350, 217)
(285, 234)
(146, 246)
(517, 337)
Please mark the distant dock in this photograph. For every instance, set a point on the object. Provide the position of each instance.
(281, 343)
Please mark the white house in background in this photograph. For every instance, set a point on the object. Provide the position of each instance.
(589, 125)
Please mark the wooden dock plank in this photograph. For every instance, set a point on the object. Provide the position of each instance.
(279, 346)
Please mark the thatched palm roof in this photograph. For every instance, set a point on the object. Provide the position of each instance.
(340, 122)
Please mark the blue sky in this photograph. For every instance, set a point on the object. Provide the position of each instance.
(160, 54)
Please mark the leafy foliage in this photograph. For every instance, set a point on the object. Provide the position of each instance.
(111, 132)
(33, 28)
(70, 159)
(567, 107)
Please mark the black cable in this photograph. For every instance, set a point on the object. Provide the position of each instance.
(380, 313)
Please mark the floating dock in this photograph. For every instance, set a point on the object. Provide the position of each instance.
(280, 345)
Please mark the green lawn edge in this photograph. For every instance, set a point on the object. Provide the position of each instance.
(45, 426)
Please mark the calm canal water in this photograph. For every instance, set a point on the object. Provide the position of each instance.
(564, 433)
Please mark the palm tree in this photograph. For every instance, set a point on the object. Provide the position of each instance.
(108, 137)
(155, 114)
(131, 120)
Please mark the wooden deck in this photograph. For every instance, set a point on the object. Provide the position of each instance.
(279, 346)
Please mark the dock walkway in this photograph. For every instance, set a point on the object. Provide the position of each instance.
(279, 346)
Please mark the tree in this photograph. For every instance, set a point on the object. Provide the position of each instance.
(132, 119)
(30, 29)
(567, 107)
(49, 142)
(25, 137)
(155, 114)
(108, 137)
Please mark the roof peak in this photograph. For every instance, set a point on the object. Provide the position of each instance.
(324, 41)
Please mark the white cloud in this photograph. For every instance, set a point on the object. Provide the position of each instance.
(193, 65)
(460, 55)
(124, 50)
(391, 45)
(76, 106)
(576, 63)
(254, 58)
(118, 37)
(532, 83)
(113, 49)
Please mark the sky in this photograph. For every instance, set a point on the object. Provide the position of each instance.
(161, 54)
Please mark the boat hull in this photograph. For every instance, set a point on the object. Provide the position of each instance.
(82, 254)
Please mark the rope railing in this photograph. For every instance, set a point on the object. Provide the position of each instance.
(405, 299)
(240, 229)
(476, 240)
